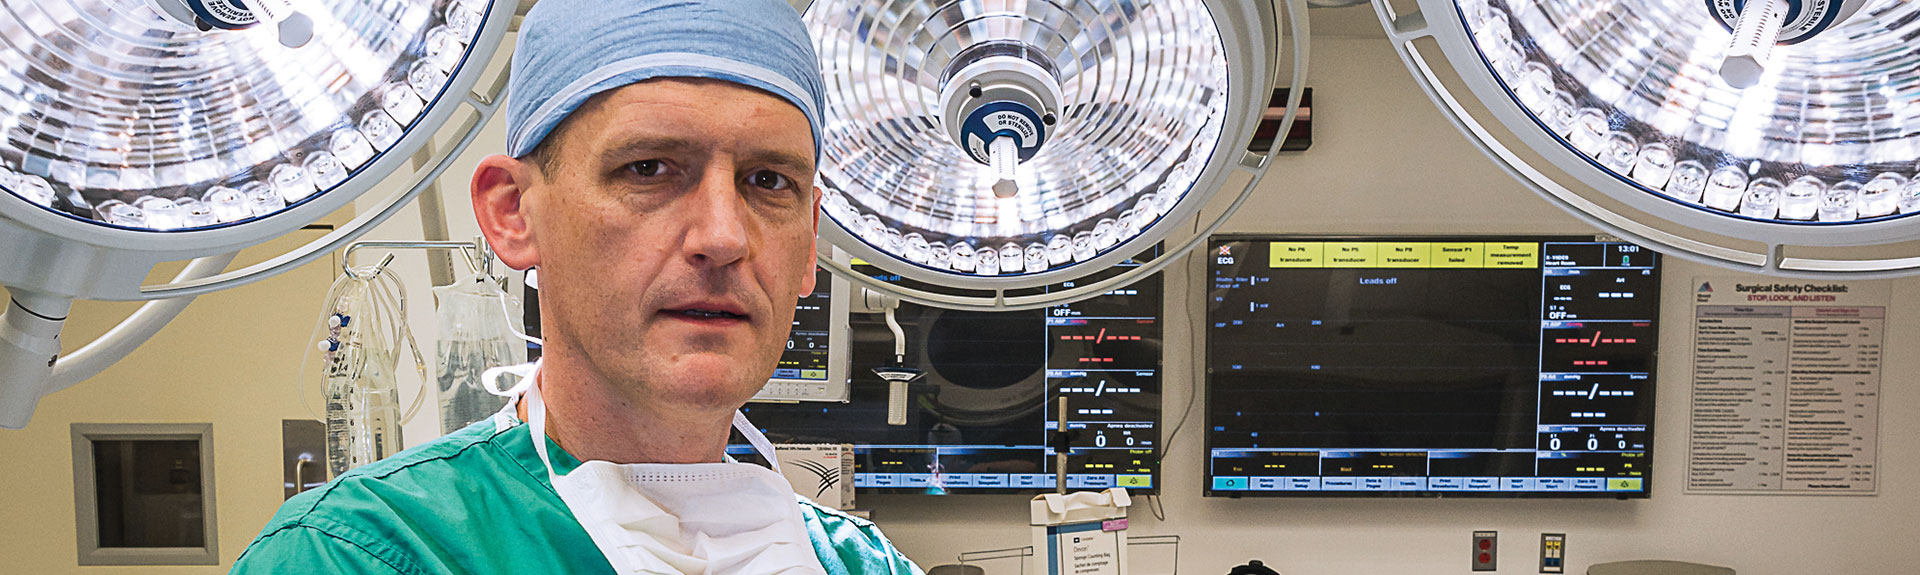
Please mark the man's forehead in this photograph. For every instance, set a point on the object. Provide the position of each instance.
(697, 114)
(696, 92)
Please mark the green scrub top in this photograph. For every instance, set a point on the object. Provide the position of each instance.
(479, 502)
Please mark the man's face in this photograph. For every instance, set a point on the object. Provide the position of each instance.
(674, 230)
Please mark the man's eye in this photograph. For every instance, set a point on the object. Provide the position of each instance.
(770, 180)
(648, 168)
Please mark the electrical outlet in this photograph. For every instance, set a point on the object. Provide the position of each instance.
(1553, 553)
(1486, 550)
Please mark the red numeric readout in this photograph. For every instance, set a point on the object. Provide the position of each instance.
(1099, 338)
(1595, 340)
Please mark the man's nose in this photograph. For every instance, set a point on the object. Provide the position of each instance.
(717, 232)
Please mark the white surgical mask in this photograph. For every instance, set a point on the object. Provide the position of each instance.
(682, 518)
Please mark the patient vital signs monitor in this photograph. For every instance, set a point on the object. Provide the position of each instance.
(1483, 366)
(980, 421)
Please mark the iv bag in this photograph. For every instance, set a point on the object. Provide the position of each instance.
(372, 413)
(362, 392)
(475, 334)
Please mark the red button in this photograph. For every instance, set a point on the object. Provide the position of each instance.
(1486, 557)
(1486, 544)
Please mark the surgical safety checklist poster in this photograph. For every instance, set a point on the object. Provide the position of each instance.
(1786, 386)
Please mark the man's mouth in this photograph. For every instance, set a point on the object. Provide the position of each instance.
(708, 314)
(711, 312)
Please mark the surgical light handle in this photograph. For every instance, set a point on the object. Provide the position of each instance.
(1753, 38)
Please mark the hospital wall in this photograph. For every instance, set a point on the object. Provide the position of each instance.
(1383, 161)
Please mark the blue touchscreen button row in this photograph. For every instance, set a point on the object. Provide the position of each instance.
(1340, 484)
(1031, 480)
(1094, 481)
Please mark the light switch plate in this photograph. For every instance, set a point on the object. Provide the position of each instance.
(1486, 550)
(1553, 553)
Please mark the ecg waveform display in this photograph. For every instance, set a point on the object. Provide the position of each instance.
(1421, 366)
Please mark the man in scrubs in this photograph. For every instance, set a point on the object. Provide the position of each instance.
(660, 173)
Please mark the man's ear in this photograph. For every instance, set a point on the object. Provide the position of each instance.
(500, 184)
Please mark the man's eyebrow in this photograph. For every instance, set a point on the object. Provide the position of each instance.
(622, 147)
(779, 158)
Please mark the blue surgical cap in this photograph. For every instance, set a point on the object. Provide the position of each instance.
(570, 50)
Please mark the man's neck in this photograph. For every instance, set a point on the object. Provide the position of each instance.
(595, 420)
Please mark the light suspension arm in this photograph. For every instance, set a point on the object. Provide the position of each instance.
(95, 357)
(30, 362)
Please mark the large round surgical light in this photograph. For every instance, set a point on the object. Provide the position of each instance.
(1788, 125)
(116, 115)
(998, 145)
(135, 132)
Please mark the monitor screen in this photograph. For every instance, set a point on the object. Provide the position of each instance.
(813, 367)
(1425, 366)
(979, 422)
(807, 344)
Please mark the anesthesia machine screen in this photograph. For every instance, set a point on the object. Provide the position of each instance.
(979, 422)
(1481, 366)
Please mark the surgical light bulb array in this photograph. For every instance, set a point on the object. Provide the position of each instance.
(1829, 133)
(190, 141)
(1124, 144)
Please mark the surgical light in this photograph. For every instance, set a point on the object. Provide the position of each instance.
(136, 132)
(998, 145)
(1749, 134)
